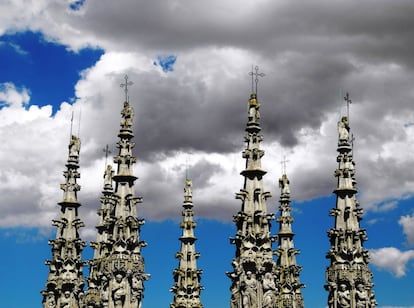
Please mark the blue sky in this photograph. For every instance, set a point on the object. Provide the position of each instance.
(189, 63)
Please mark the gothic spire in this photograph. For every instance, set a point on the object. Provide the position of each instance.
(118, 267)
(348, 275)
(254, 269)
(187, 277)
(65, 282)
(288, 281)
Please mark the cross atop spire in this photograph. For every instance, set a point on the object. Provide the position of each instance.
(283, 164)
(255, 78)
(348, 102)
(125, 85)
(107, 152)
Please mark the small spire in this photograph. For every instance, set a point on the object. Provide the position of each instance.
(288, 278)
(348, 277)
(187, 277)
(65, 282)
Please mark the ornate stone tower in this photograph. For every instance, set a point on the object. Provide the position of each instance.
(254, 269)
(187, 277)
(64, 286)
(348, 276)
(117, 270)
(288, 282)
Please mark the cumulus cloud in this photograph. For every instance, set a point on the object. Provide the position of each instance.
(407, 222)
(199, 108)
(392, 260)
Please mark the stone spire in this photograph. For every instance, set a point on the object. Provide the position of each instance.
(187, 277)
(290, 295)
(117, 270)
(254, 269)
(64, 286)
(348, 276)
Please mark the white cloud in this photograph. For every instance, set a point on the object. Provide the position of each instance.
(392, 260)
(407, 222)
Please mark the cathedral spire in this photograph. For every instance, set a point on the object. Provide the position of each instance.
(254, 269)
(187, 277)
(65, 282)
(288, 281)
(117, 270)
(348, 276)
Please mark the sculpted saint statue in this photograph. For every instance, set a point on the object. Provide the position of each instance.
(269, 288)
(249, 290)
(361, 296)
(254, 113)
(65, 300)
(343, 129)
(108, 176)
(119, 290)
(127, 116)
(74, 146)
(284, 185)
(344, 299)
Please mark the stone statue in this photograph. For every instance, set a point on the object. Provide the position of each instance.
(361, 296)
(284, 185)
(249, 290)
(254, 113)
(137, 289)
(343, 129)
(119, 290)
(74, 146)
(65, 300)
(50, 301)
(188, 191)
(344, 299)
(127, 116)
(104, 292)
(269, 289)
(108, 176)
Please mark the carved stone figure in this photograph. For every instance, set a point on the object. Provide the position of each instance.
(269, 289)
(50, 301)
(119, 290)
(104, 291)
(343, 129)
(137, 289)
(284, 185)
(65, 300)
(249, 290)
(361, 296)
(127, 116)
(254, 113)
(108, 176)
(344, 299)
(74, 146)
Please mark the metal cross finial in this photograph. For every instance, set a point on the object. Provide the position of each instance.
(255, 78)
(125, 85)
(107, 151)
(348, 101)
(283, 163)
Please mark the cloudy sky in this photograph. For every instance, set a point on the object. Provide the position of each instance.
(189, 61)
